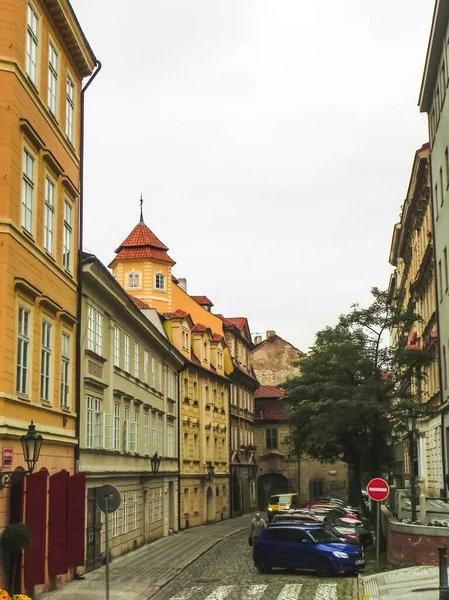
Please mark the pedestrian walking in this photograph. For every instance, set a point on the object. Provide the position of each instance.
(257, 526)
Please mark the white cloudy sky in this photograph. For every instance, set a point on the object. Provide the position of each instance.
(272, 141)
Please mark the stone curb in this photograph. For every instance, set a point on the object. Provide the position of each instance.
(195, 558)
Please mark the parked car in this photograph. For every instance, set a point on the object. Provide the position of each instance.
(307, 547)
(281, 501)
(346, 534)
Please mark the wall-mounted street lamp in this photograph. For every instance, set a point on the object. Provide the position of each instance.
(155, 463)
(410, 424)
(31, 447)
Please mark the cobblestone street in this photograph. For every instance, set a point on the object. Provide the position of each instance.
(205, 563)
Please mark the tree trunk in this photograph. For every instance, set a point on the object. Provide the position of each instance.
(355, 490)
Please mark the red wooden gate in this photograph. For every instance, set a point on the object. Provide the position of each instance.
(36, 519)
(57, 524)
(76, 520)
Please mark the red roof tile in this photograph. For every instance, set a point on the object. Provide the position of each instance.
(173, 278)
(268, 391)
(270, 410)
(139, 303)
(142, 243)
(238, 322)
(195, 360)
(178, 314)
(216, 337)
(202, 300)
(199, 328)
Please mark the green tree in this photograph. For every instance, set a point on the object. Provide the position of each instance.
(353, 385)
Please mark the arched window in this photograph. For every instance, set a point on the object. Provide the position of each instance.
(133, 280)
(159, 282)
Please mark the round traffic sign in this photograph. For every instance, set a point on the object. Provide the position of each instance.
(378, 489)
(109, 493)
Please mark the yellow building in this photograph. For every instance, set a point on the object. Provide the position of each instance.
(143, 267)
(44, 57)
(414, 279)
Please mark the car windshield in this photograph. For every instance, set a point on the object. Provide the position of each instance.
(323, 535)
(280, 500)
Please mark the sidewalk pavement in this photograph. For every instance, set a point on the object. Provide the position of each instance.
(140, 574)
(417, 583)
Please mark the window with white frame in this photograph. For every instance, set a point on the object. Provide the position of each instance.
(32, 43)
(136, 359)
(135, 432)
(23, 350)
(52, 78)
(170, 439)
(133, 280)
(45, 360)
(126, 433)
(116, 431)
(205, 352)
(94, 430)
(115, 523)
(116, 346)
(69, 108)
(27, 191)
(49, 214)
(160, 443)
(220, 359)
(145, 366)
(127, 352)
(185, 339)
(94, 330)
(65, 370)
(153, 434)
(146, 434)
(135, 509)
(171, 391)
(160, 383)
(67, 237)
(153, 372)
(159, 282)
(125, 513)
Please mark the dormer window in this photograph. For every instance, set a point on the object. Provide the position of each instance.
(205, 357)
(220, 359)
(159, 282)
(133, 280)
(185, 340)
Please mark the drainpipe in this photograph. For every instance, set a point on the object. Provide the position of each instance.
(231, 468)
(79, 275)
(440, 358)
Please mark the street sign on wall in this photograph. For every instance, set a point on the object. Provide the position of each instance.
(378, 489)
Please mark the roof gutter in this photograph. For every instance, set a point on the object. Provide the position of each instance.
(80, 273)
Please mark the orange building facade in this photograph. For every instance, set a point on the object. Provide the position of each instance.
(44, 57)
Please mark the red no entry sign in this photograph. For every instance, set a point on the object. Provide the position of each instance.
(378, 489)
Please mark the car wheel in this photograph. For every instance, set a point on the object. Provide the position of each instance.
(263, 564)
(323, 567)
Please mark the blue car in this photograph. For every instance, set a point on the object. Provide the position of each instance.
(308, 547)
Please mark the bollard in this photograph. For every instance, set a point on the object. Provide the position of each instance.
(444, 589)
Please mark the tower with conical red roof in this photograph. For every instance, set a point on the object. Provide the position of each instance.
(143, 267)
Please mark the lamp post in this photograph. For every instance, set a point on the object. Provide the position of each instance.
(31, 448)
(410, 423)
(155, 463)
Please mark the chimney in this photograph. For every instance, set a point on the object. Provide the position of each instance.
(182, 282)
(270, 333)
(258, 339)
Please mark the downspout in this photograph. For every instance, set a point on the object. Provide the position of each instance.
(79, 275)
(231, 479)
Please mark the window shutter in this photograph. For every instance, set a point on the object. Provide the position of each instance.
(57, 524)
(98, 429)
(76, 512)
(109, 431)
(133, 436)
(36, 519)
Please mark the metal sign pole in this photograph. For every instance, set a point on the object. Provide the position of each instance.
(106, 505)
(378, 535)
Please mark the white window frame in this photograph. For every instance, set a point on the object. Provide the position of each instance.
(125, 513)
(116, 347)
(32, 43)
(126, 428)
(23, 349)
(145, 366)
(153, 372)
(133, 280)
(94, 422)
(136, 360)
(185, 339)
(94, 330)
(220, 359)
(153, 434)
(67, 236)
(46, 352)
(135, 509)
(146, 434)
(65, 371)
(28, 164)
(159, 282)
(116, 430)
(69, 108)
(49, 215)
(170, 440)
(127, 345)
(52, 78)
(115, 523)
(160, 436)
(159, 376)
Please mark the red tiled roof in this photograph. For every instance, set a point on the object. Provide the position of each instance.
(173, 278)
(142, 243)
(216, 337)
(270, 410)
(195, 360)
(139, 303)
(268, 391)
(238, 322)
(199, 328)
(202, 300)
(178, 314)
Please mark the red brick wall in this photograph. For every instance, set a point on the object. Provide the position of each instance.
(412, 549)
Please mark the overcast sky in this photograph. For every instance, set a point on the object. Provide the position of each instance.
(272, 142)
